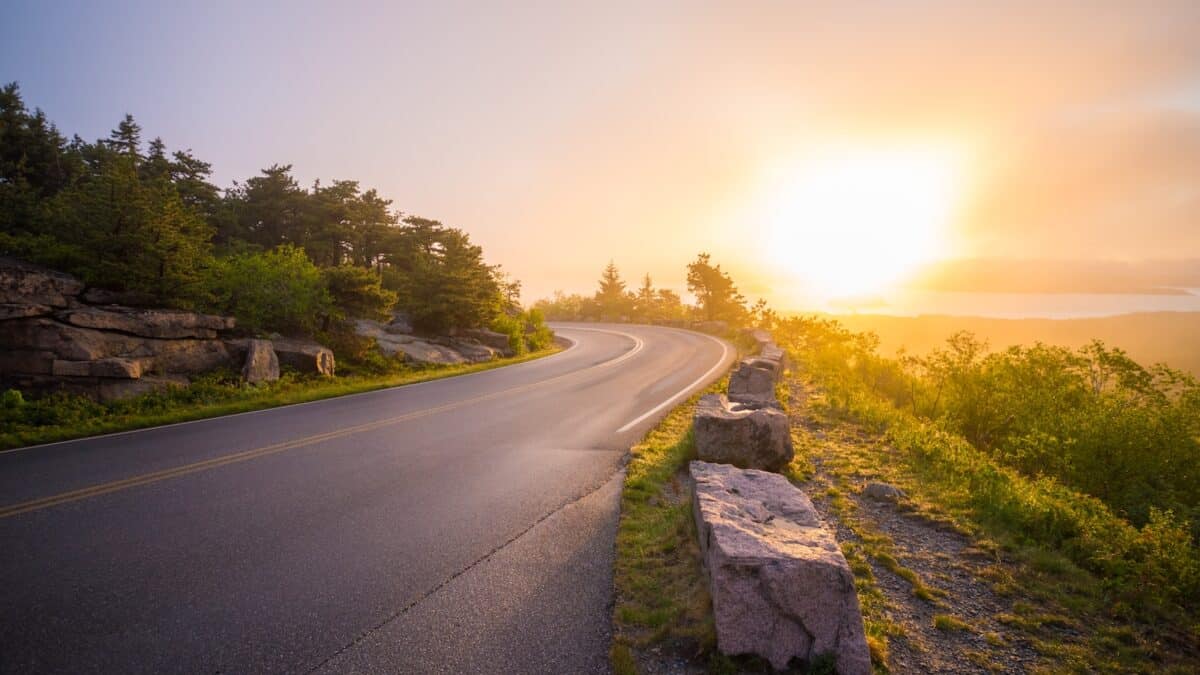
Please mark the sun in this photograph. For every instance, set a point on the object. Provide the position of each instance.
(851, 221)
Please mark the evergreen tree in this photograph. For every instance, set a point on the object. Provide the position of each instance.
(126, 139)
(714, 289)
(267, 211)
(646, 301)
(614, 304)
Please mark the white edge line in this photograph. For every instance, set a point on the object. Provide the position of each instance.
(686, 390)
(574, 344)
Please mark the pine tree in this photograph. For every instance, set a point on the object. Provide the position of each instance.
(612, 300)
(645, 306)
(126, 139)
(718, 297)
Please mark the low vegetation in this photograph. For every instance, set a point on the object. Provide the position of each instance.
(1102, 581)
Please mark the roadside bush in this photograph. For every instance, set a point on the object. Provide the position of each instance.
(537, 334)
(514, 328)
(278, 290)
(527, 331)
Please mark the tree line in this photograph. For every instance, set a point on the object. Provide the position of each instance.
(132, 216)
(717, 300)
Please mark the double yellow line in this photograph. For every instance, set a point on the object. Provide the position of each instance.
(165, 474)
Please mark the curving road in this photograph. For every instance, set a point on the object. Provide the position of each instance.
(459, 525)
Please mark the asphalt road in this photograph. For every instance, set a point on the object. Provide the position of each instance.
(460, 525)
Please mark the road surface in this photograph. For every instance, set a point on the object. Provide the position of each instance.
(459, 525)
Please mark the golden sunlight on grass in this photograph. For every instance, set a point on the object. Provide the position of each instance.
(851, 220)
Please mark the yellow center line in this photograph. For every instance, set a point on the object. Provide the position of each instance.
(245, 455)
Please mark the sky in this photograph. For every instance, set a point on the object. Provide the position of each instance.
(562, 136)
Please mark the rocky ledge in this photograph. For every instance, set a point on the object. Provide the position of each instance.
(57, 336)
(396, 339)
(781, 588)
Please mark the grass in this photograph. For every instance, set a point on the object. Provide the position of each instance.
(60, 418)
(661, 594)
(949, 623)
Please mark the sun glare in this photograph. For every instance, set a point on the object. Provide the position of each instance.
(850, 222)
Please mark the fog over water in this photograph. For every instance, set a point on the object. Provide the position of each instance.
(1013, 305)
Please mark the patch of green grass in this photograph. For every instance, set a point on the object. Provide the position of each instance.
(60, 418)
(661, 593)
(949, 623)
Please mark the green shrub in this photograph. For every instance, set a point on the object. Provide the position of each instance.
(279, 290)
(538, 335)
(514, 328)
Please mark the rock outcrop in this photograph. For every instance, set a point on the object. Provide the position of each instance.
(25, 284)
(745, 437)
(57, 336)
(474, 352)
(780, 587)
(490, 338)
(472, 346)
(153, 323)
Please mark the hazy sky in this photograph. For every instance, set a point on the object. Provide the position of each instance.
(561, 137)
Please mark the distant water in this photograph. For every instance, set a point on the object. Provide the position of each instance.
(1018, 305)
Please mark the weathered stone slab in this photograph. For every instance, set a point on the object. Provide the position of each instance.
(28, 284)
(780, 587)
(306, 357)
(753, 383)
(65, 342)
(772, 352)
(17, 310)
(429, 353)
(261, 364)
(151, 323)
(748, 438)
(497, 341)
(474, 352)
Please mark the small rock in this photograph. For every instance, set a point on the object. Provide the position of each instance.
(883, 492)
